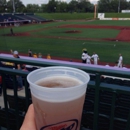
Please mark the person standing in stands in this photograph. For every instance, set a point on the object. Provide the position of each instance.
(120, 61)
(48, 56)
(39, 55)
(84, 55)
(18, 67)
(35, 55)
(30, 53)
(95, 58)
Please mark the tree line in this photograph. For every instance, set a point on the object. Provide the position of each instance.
(54, 6)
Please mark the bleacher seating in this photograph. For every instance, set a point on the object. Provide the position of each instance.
(9, 82)
(31, 17)
(23, 17)
(119, 124)
(39, 18)
(21, 103)
(103, 122)
(8, 17)
(126, 83)
(87, 120)
(121, 109)
(11, 119)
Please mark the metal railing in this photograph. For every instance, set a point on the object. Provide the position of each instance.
(106, 107)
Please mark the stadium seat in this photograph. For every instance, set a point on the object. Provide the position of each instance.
(121, 112)
(108, 80)
(119, 124)
(105, 96)
(87, 120)
(92, 77)
(104, 108)
(126, 83)
(21, 103)
(118, 82)
(9, 82)
(103, 122)
(88, 105)
(123, 100)
(11, 120)
(90, 94)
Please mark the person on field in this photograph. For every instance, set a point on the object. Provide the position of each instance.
(11, 31)
(120, 61)
(88, 59)
(95, 58)
(84, 55)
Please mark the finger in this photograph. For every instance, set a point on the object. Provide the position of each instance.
(29, 121)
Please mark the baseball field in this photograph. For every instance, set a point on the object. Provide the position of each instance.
(66, 39)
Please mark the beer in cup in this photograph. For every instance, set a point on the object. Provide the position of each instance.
(58, 95)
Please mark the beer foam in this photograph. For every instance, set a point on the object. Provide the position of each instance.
(59, 82)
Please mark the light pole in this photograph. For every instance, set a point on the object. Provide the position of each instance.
(54, 9)
(119, 4)
(13, 6)
(95, 11)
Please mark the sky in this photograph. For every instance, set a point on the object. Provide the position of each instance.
(39, 2)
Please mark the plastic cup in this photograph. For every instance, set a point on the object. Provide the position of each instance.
(58, 107)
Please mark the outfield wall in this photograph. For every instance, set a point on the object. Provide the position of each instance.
(114, 18)
(101, 16)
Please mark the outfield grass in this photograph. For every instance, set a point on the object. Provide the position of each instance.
(71, 49)
(66, 16)
(75, 16)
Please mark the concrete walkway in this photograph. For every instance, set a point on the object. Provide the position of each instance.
(10, 92)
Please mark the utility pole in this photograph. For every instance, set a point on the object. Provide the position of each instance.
(95, 11)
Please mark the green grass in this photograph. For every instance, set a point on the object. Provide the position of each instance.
(84, 33)
(66, 16)
(85, 16)
(72, 48)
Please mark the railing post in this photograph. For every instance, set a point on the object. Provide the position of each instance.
(96, 104)
(26, 93)
(128, 122)
(5, 100)
(112, 110)
(16, 100)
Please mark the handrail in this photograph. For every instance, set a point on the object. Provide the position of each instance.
(89, 69)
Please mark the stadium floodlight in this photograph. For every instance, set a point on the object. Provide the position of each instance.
(13, 6)
(119, 4)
